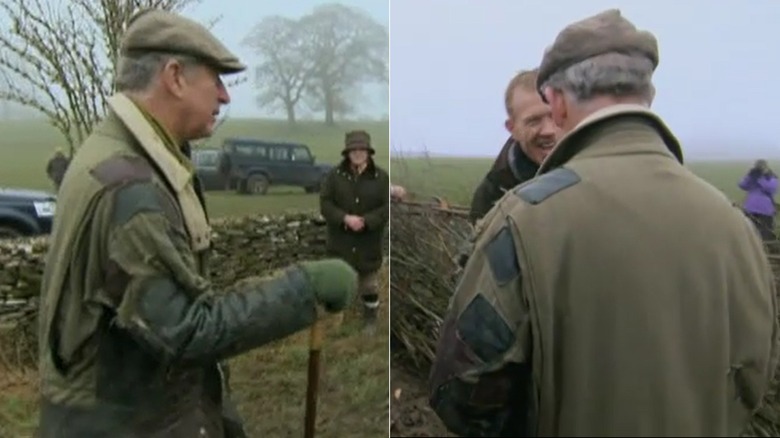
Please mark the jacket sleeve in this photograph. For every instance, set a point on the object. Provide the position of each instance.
(768, 185)
(378, 217)
(480, 381)
(167, 307)
(485, 196)
(747, 182)
(328, 207)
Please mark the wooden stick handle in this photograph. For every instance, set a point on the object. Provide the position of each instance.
(315, 345)
(316, 335)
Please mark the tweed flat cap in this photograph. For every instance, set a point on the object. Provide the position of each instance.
(602, 33)
(157, 30)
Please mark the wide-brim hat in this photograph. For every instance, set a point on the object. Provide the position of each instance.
(355, 140)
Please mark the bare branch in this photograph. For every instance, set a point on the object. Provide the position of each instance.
(60, 59)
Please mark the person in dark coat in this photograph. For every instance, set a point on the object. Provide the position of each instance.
(532, 136)
(355, 201)
(56, 168)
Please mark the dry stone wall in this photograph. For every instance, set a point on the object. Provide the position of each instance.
(242, 247)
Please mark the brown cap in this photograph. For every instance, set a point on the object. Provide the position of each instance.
(157, 30)
(602, 33)
(357, 140)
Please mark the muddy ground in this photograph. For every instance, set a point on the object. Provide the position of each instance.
(410, 415)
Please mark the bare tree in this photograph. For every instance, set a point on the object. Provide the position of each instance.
(349, 48)
(60, 59)
(285, 64)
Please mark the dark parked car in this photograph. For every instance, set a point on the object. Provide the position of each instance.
(26, 212)
(206, 161)
(255, 165)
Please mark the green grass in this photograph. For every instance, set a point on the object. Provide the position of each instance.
(455, 179)
(25, 148)
(269, 383)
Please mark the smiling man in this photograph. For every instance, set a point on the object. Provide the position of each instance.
(132, 333)
(532, 137)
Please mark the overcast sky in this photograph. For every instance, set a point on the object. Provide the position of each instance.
(239, 18)
(451, 61)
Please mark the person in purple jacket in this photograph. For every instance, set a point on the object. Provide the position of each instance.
(760, 183)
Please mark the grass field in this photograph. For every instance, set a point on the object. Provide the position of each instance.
(269, 383)
(455, 179)
(25, 147)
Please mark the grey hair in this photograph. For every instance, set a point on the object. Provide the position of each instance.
(136, 73)
(611, 74)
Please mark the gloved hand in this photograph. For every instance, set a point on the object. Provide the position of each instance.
(334, 282)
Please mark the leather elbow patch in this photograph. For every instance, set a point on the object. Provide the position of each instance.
(502, 257)
(484, 330)
(480, 325)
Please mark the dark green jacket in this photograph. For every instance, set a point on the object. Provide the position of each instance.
(131, 331)
(366, 195)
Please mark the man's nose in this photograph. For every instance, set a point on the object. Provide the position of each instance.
(548, 127)
(223, 95)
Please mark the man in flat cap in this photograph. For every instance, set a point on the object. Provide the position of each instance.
(355, 202)
(532, 135)
(132, 333)
(616, 294)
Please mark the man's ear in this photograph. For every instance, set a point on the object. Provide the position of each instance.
(509, 125)
(172, 77)
(558, 106)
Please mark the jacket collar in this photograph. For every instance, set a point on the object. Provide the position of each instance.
(177, 175)
(512, 165)
(615, 130)
(346, 168)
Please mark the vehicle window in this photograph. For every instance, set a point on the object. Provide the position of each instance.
(251, 150)
(280, 153)
(260, 151)
(244, 149)
(207, 159)
(301, 153)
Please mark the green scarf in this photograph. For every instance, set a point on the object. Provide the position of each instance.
(168, 140)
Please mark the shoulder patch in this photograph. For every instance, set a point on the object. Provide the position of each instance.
(133, 199)
(544, 186)
(120, 168)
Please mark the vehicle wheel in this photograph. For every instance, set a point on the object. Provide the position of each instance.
(257, 185)
(7, 232)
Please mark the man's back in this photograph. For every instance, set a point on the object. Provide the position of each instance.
(652, 301)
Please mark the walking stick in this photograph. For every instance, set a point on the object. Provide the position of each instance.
(315, 345)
